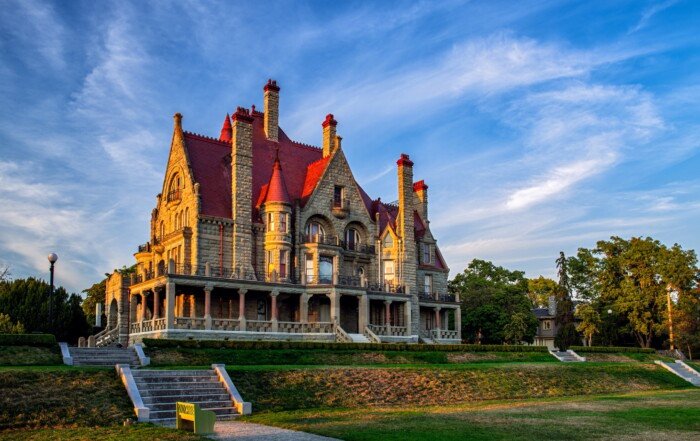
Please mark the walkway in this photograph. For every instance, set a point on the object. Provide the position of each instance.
(240, 431)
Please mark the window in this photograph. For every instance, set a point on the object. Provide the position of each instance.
(270, 264)
(270, 222)
(428, 284)
(352, 238)
(309, 267)
(283, 264)
(283, 222)
(388, 241)
(187, 217)
(388, 270)
(162, 230)
(338, 196)
(174, 189)
(314, 231)
(546, 325)
(325, 269)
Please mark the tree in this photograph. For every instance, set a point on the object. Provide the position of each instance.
(7, 327)
(490, 296)
(567, 336)
(4, 272)
(589, 321)
(565, 306)
(518, 329)
(27, 301)
(93, 295)
(540, 289)
(687, 322)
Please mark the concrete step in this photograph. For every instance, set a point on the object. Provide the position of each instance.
(172, 373)
(220, 397)
(175, 380)
(170, 414)
(170, 406)
(156, 388)
(358, 338)
(173, 391)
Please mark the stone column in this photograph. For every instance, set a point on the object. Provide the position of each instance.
(304, 308)
(241, 308)
(458, 322)
(363, 312)
(407, 317)
(207, 307)
(142, 317)
(335, 306)
(156, 304)
(193, 306)
(274, 318)
(387, 318)
(437, 319)
(170, 305)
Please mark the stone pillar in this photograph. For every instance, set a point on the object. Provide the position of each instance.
(91, 341)
(407, 317)
(304, 308)
(156, 304)
(335, 306)
(207, 307)
(458, 322)
(170, 305)
(193, 306)
(272, 104)
(241, 191)
(437, 318)
(363, 312)
(207, 269)
(329, 136)
(81, 342)
(387, 318)
(142, 317)
(241, 308)
(274, 318)
(98, 315)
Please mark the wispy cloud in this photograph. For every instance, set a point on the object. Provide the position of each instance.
(648, 13)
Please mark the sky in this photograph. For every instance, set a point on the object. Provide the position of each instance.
(539, 126)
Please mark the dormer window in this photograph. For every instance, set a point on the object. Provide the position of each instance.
(337, 196)
(427, 253)
(388, 241)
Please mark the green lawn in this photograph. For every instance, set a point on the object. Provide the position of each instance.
(646, 415)
(29, 355)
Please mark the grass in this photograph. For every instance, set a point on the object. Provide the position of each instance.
(61, 396)
(239, 357)
(140, 432)
(30, 355)
(277, 388)
(625, 357)
(647, 415)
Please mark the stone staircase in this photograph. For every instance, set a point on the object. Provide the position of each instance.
(104, 357)
(161, 389)
(358, 338)
(567, 356)
(682, 370)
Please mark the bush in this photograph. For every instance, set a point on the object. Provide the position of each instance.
(566, 337)
(611, 349)
(222, 344)
(46, 340)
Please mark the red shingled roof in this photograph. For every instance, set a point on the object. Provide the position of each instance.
(276, 190)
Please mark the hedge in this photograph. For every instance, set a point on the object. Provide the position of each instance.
(611, 349)
(47, 340)
(223, 344)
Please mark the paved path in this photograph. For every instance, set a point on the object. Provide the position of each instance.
(240, 431)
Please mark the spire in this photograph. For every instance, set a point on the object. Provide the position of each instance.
(226, 131)
(276, 189)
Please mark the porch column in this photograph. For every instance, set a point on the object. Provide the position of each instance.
(156, 304)
(304, 308)
(364, 313)
(407, 317)
(387, 319)
(193, 306)
(241, 308)
(143, 306)
(458, 322)
(170, 305)
(437, 319)
(273, 297)
(335, 304)
(207, 307)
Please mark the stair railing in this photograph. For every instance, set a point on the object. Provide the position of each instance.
(371, 336)
(340, 334)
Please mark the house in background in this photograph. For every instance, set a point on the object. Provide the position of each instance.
(547, 327)
(256, 236)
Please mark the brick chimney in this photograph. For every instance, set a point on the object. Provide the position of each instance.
(420, 190)
(330, 139)
(241, 189)
(405, 222)
(272, 110)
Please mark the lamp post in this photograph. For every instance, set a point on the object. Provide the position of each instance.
(53, 257)
(669, 289)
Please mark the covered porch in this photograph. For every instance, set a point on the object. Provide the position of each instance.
(440, 323)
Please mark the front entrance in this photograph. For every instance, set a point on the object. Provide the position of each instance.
(349, 314)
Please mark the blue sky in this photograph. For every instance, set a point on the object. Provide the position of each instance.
(539, 125)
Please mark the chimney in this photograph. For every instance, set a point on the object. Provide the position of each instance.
(329, 136)
(420, 190)
(241, 190)
(272, 110)
(552, 305)
(405, 222)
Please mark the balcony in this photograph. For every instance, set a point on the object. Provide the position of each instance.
(437, 297)
(340, 207)
(386, 287)
(174, 196)
(358, 247)
(322, 239)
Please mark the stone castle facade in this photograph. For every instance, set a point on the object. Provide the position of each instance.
(256, 236)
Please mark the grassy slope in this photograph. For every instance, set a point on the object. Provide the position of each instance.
(277, 388)
(648, 415)
(206, 356)
(29, 355)
(61, 397)
(113, 433)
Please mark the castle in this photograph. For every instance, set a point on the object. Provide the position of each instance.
(255, 236)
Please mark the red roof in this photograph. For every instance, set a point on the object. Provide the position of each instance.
(276, 190)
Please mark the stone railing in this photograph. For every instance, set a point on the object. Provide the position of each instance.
(371, 336)
(394, 331)
(440, 334)
(258, 326)
(225, 324)
(188, 323)
(318, 327)
(159, 324)
(107, 337)
(341, 335)
(437, 297)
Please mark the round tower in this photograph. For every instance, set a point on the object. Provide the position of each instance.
(277, 215)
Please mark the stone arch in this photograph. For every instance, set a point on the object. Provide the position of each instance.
(326, 224)
(113, 314)
(362, 235)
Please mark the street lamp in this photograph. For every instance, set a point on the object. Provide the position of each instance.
(53, 257)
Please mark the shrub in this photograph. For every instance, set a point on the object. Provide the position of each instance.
(46, 340)
(611, 349)
(222, 344)
(566, 337)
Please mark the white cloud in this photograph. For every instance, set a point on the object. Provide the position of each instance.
(649, 13)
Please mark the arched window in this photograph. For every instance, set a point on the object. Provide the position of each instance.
(187, 217)
(162, 230)
(174, 189)
(314, 232)
(352, 239)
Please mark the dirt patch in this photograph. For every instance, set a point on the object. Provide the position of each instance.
(608, 357)
(466, 357)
